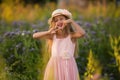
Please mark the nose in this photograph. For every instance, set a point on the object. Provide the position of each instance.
(59, 21)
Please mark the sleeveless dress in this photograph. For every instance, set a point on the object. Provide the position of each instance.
(62, 65)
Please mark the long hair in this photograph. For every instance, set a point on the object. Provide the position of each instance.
(69, 30)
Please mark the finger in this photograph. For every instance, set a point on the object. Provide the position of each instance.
(53, 32)
(51, 29)
(56, 25)
(57, 29)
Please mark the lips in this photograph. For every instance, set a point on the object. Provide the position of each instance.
(59, 25)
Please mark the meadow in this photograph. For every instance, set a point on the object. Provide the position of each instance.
(24, 58)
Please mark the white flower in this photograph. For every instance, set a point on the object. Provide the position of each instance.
(23, 34)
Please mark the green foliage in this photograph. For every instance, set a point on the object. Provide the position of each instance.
(21, 53)
(24, 58)
(97, 39)
(3, 67)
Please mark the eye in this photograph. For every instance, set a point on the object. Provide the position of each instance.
(61, 18)
(55, 20)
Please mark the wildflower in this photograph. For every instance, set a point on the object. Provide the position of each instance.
(23, 34)
(87, 24)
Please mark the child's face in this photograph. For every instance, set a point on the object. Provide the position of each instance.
(59, 20)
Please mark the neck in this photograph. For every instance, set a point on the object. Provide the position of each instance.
(60, 34)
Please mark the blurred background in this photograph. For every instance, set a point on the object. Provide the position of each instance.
(24, 58)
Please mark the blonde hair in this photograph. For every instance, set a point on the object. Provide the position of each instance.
(68, 29)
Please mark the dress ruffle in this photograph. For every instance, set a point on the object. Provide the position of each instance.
(59, 68)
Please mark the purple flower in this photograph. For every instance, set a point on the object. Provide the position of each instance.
(18, 32)
(79, 22)
(106, 20)
(25, 33)
(35, 30)
(81, 17)
(85, 43)
(97, 21)
(28, 32)
(14, 23)
(34, 26)
(32, 49)
(87, 24)
(18, 45)
(41, 24)
(18, 23)
(10, 34)
(93, 32)
(7, 34)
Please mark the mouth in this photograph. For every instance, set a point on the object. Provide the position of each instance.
(60, 25)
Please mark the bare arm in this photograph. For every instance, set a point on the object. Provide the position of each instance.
(45, 34)
(79, 32)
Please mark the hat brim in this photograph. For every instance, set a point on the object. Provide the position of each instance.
(59, 15)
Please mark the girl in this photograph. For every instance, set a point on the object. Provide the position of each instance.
(62, 35)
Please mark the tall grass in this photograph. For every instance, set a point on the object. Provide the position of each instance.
(93, 67)
(115, 44)
(3, 69)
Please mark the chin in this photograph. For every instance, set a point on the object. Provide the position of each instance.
(60, 31)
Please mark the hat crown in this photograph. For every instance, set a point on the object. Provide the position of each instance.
(63, 12)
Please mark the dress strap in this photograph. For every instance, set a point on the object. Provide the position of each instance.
(69, 37)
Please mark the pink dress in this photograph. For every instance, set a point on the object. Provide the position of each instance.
(62, 65)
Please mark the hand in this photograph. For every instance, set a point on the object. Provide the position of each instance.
(68, 21)
(53, 30)
(65, 22)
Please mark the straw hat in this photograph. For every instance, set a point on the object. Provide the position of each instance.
(61, 12)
